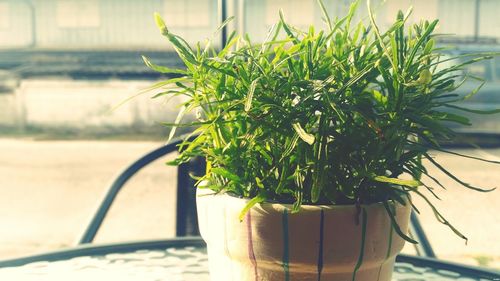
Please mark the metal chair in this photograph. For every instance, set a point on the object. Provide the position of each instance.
(186, 220)
(423, 247)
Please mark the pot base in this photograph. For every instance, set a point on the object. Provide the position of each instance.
(223, 268)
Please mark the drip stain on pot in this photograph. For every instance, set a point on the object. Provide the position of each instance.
(388, 254)
(286, 257)
(320, 254)
(251, 253)
(364, 218)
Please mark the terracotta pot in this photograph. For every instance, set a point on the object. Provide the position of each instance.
(317, 243)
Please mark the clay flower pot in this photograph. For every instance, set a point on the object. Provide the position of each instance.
(317, 243)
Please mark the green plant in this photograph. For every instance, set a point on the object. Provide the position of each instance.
(330, 117)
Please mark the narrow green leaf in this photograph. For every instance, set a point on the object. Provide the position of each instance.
(326, 17)
(421, 40)
(290, 147)
(303, 134)
(224, 24)
(183, 49)
(429, 46)
(153, 87)
(232, 40)
(450, 117)
(226, 174)
(395, 224)
(258, 181)
(454, 177)
(256, 200)
(474, 92)
(271, 37)
(408, 183)
(160, 24)
(265, 154)
(178, 119)
(467, 156)
(316, 188)
(440, 217)
(376, 30)
(476, 111)
(185, 125)
(161, 69)
(251, 90)
(287, 29)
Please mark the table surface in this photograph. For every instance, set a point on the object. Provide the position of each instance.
(182, 260)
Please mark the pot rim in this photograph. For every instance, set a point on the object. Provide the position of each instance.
(207, 192)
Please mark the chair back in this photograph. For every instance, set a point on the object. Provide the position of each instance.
(186, 219)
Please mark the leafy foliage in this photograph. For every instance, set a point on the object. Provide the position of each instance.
(330, 117)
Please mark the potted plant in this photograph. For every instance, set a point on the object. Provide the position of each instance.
(314, 142)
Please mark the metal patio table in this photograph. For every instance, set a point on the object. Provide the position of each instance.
(183, 259)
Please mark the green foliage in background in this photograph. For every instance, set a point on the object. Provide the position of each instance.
(343, 115)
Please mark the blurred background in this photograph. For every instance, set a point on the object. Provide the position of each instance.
(66, 64)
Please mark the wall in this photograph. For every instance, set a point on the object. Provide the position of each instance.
(9, 116)
(70, 104)
(128, 24)
(103, 24)
(489, 24)
(15, 24)
(456, 16)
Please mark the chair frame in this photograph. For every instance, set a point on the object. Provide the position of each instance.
(186, 222)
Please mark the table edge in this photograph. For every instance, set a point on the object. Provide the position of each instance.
(196, 241)
(103, 249)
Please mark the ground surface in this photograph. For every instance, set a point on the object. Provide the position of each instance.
(50, 189)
